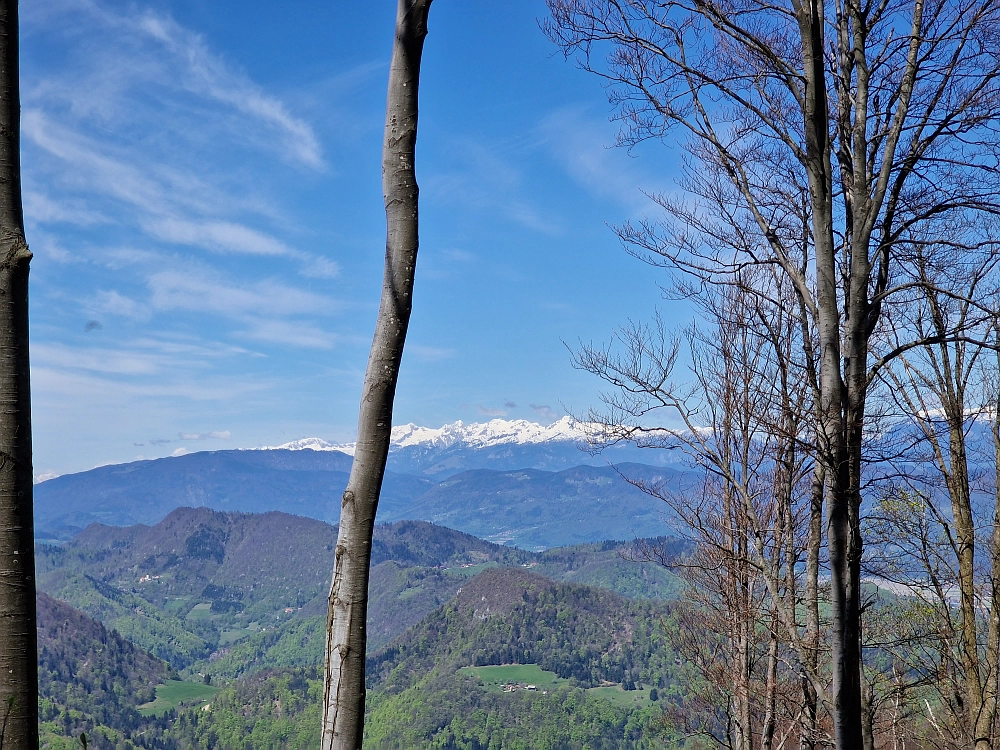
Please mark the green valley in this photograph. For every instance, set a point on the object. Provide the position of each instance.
(229, 609)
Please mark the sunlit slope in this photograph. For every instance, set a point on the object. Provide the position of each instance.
(231, 593)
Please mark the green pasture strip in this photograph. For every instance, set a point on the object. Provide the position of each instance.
(522, 674)
(227, 637)
(494, 678)
(201, 611)
(472, 570)
(171, 694)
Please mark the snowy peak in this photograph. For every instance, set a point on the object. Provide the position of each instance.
(313, 444)
(488, 434)
(474, 435)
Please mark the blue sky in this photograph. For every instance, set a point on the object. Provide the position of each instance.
(203, 198)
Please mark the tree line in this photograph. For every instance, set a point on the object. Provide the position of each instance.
(837, 237)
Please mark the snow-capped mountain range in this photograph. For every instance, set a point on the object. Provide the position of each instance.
(508, 481)
(499, 444)
(473, 435)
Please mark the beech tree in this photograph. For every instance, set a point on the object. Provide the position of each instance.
(344, 682)
(823, 140)
(18, 640)
(937, 524)
(749, 623)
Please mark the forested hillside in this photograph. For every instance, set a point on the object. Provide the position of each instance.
(207, 592)
(248, 590)
(602, 648)
(90, 679)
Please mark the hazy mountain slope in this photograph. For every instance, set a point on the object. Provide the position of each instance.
(254, 564)
(209, 590)
(418, 698)
(142, 622)
(604, 565)
(222, 573)
(307, 483)
(512, 616)
(537, 509)
(530, 508)
(261, 562)
(274, 710)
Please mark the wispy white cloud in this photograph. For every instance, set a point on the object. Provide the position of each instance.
(290, 333)
(207, 74)
(219, 236)
(482, 178)
(161, 209)
(487, 411)
(213, 435)
(111, 302)
(544, 411)
(143, 48)
(320, 268)
(267, 311)
(41, 208)
(207, 292)
(65, 386)
(581, 143)
(110, 361)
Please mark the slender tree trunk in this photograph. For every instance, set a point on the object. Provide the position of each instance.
(867, 718)
(18, 640)
(344, 685)
(835, 431)
(986, 725)
(809, 698)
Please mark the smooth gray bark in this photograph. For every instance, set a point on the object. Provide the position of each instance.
(18, 640)
(344, 685)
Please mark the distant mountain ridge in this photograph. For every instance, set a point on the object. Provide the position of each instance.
(538, 493)
(499, 444)
(472, 435)
(307, 483)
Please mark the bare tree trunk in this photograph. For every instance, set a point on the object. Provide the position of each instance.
(843, 539)
(811, 657)
(18, 640)
(344, 685)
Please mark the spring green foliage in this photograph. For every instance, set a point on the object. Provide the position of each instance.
(299, 643)
(205, 584)
(90, 679)
(449, 711)
(512, 616)
(280, 711)
(137, 619)
(523, 674)
(269, 711)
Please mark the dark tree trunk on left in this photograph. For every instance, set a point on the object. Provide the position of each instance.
(18, 645)
(344, 684)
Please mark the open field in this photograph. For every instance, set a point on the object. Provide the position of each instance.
(171, 694)
(227, 637)
(202, 611)
(494, 678)
(470, 570)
